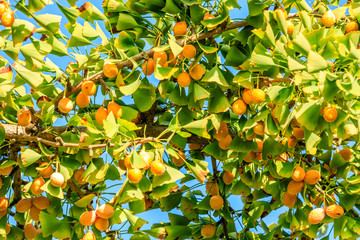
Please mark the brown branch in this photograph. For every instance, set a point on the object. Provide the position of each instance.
(78, 191)
(269, 81)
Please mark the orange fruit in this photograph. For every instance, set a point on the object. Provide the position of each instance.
(316, 215)
(146, 157)
(291, 142)
(105, 211)
(36, 186)
(216, 202)
(351, 26)
(3, 213)
(101, 115)
(82, 100)
(298, 174)
(180, 28)
(290, 27)
(330, 114)
(189, 51)
(23, 205)
(228, 178)
(212, 188)
(87, 218)
(101, 224)
(194, 146)
(5, 171)
(122, 165)
(8, 18)
(225, 143)
(250, 156)
(88, 88)
(259, 129)
(115, 109)
(260, 145)
(197, 72)
(184, 79)
(172, 59)
(3, 7)
(65, 105)
(41, 202)
(57, 179)
(134, 175)
(328, 19)
(30, 231)
(298, 133)
(345, 154)
(89, 236)
(127, 161)
(289, 200)
(208, 231)
(209, 16)
(35, 213)
(24, 117)
(46, 171)
(222, 132)
(110, 70)
(312, 177)
(239, 107)
(78, 176)
(161, 55)
(247, 96)
(258, 95)
(179, 160)
(148, 67)
(295, 187)
(334, 211)
(157, 168)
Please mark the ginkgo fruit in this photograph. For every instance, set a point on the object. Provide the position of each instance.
(110, 70)
(3, 7)
(57, 179)
(351, 26)
(122, 165)
(146, 157)
(298, 133)
(208, 231)
(194, 146)
(228, 178)
(47, 170)
(197, 72)
(189, 51)
(8, 18)
(289, 27)
(289, 200)
(87, 218)
(100, 115)
(115, 109)
(105, 211)
(345, 154)
(89, 236)
(35, 213)
(30, 231)
(78, 176)
(208, 16)
(134, 175)
(41, 202)
(247, 96)
(158, 168)
(330, 114)
(239, 107)
(6, 170)
(101, 224)
(36, 186)
(180, 159)
(222, 132)
(88, 88)
(212, 188)
(259, 128)
(334, 211)
(298, 174)
(127, 161)
(148, 67)
(295, 187)
(316, 215)
(82, 100)
(180, 28)
(24, 117)
(291, 141)
(23, 205)
(65, 105)
(312, 177)
(258, 96)
(161, 55)
(225, 143)
(216, 202)
(259, 145)
(184, 79)
(328, 19)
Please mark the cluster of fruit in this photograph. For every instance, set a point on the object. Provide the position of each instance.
(6, 14)
(329, 19)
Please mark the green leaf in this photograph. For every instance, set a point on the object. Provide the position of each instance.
(49, 224)
(200, 92)
(284, 169)
(70, 13)
(272, 148)
(34, 79)
(215, 75)
(29, 156)
(63, 231)
(170, 202)
(294, 65)
(110, 126)
(53, 191)
(145, 96)
(124, 41)
(199, 169)
(256, 7)
(219, 103)
(316, 62)
(308, 115)
(176, 49)
(125, 21)
(240, 145)
(223, 14)
(171, 7)
(235, 57)
(50, 22)
(21, 30)
(311, 141)
(130, 193)
(198, 127)
(162, 73)
(77, 39)
(83, 202)
(171, 175)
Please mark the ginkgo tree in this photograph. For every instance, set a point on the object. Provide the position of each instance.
(175, 106)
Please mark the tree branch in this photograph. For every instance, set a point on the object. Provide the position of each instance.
(78, 191)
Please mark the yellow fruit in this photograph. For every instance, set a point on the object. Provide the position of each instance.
(36, 186)
(228, 178)
(282, 10)
(100, 115)
(291, 141)
(225, 143)
(197, 72)
(334, 211)
(110, 70)
(239, 107)
(216, 202)
(127, 161)
(184, 79)
(148, 67)
(180, 28)
(146, 157)
(298, 174)
(30, 231)
(222, 132)
(82, 100)
(157, 168)
(189, 51)
(259, 145)
(41, 202)
(161, 55)
(23, 205)
(88, 88)
(290, 27)
(208, 231)
(316, 215)
(101, 224)
(57, 179)
(105, 211)
(35, 213)
(345, 154)
(258, 95)
(212, 188)
(8, 18)
(134, 175)
(328, 19)
(89, 236)
(47, 171)
(312, 177)
(295, 187)
(115, 109)
(289, 200)
(209, 16)
(330, 114)
(65, 105)
(259, 129)
(24, 117)
(298, 133)
(179, 160)
(247, 96)
(78, 176)
(194, 146)
(87, 218)
(351, 26)
(5, 171)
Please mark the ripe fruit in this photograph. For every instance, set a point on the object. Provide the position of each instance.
(35, 213)
(5, 171)
(222, 132)
(290, 27)
(298, 133)
(295, 187)
(260, 145)
(259, 128)
(88, 87)
(180, 28)
(173, 60)
(87, 218)
(239, 107)
(330, 114)
(161, 55)
(194, 146)
(146, 157)
(78, 176)
(89, 236)
(101, 115)
(105, 211)
(351, 26)
(157, 168)
(209, 16)
(345, 154)
(291, 142)
(24, 117)
(328, 19)
(148, 67)
(101, 224)
(65, 105)
(41, 202)
(3, 7)
(312, 177)
(228, 178)
(127, 161)
(36, 186)
(82, 100)
(189, 51)
(134, 175)
(208, 231)
(179, 160)
(8, 18)
(115, 109)
(184, 79)
(316, 215)
(122, 165)
(212, 188)
(334, 211)
(298, 174)
(258, 95)
(30, 231)
(247, 96)
(197, 72)
(250, 156)
(110, 70)
(216, 202)
(289, 200)
(57, 179)
(23, 205)
(47, 171)
(225, 143)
